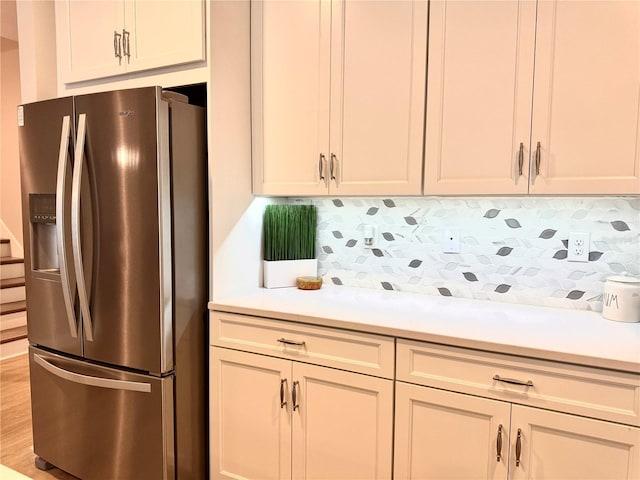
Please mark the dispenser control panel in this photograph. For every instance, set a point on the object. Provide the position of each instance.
(42, 207)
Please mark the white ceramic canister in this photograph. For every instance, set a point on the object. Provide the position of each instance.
(621, 298)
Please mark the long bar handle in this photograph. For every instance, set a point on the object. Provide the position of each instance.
(322, 166)
(520, 159)
(538, 155)
(75, 226)
(126, 44)
(117, 46)
(518, 447)
(283, 384)
(92, 381)
(334, 166)
(499, 444)
(292, 342)
(294, 395)
(61, 221)
(513, 381)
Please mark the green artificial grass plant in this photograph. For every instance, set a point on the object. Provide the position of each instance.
(289, 232)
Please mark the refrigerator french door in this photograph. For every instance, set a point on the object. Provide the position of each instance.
(114, 202)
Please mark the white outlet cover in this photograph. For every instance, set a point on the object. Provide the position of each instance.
(451, 240)
(578, 247)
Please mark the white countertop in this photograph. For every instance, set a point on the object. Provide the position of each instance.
(572, 336)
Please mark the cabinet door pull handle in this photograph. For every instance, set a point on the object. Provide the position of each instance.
(518, 447)
(520, 159)
(283, 383)
(321, 164)
(334, 161)
(126, 44)
(538, 148)
(294, 395)
(117, 46)
(513, 381)
(292, 342)
(499, 444)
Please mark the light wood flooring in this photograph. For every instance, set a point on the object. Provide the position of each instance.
(15, 421)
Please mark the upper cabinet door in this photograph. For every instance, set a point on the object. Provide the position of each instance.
(88, 37)
(98, 39)
(338, 96)
(479, 93)
(290, 96)
(163, 33)
(586, 109)
(378, 56)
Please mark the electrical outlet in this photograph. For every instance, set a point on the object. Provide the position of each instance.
(578, 248)
(451, 240)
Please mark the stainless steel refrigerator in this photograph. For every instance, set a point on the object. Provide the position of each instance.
(114, 198)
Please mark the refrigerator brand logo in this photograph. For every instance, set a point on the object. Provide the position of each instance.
(127, 113)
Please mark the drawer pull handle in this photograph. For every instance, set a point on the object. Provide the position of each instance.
(283, 383)
(513, 381)
(292, 342)
(518, 447)
(499, 444)
(294, 395)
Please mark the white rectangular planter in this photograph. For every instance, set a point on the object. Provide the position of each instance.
(283, 273)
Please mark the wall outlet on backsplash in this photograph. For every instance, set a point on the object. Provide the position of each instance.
(578, 249)
(451, 240)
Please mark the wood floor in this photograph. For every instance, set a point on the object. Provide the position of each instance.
(15, 421)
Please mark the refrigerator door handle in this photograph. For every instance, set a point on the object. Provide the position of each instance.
(75, 227)
(61, 188)
(92, 381)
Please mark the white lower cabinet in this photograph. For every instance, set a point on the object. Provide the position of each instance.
(446, 435)
(294, 401)
(441, 434)
(558, 446)
(277, 418)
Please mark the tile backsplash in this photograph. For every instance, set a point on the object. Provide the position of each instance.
(513, 249)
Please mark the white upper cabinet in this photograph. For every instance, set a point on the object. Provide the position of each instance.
(101, 39)
(480, 84)
(491, 100)
(586, 105)
(338, 97)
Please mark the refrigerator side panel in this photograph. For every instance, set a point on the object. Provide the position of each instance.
(98, 423)
(127, 300)
(189, 187)
(46, 146)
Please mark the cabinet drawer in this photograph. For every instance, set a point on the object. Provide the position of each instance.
(591, 392)
(356, 352)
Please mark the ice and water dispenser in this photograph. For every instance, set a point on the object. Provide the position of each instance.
(44, 242)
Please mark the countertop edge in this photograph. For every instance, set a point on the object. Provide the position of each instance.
(474, 344)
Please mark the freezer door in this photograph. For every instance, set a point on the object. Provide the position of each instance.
(101, 423)
(123, 146)
(46, 133)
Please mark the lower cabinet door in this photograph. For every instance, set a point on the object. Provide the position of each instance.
(559, 446)
(250, 429)
(342, 424)
(444, 435)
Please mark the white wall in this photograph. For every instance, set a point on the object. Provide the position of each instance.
(10, 206)
(232, 255)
